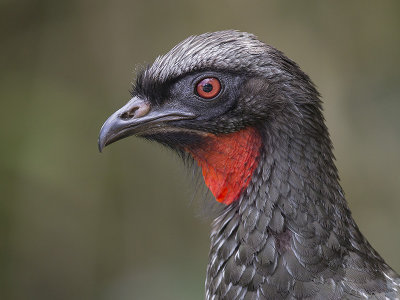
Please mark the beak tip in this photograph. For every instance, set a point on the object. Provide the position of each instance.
(100, 148)
(102, 140)
(100, 145)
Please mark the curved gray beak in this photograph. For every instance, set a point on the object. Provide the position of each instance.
(134, 118)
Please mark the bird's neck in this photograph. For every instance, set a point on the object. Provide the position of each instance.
(292, 213)
(294, 181)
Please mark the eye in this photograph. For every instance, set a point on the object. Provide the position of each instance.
(208, 88)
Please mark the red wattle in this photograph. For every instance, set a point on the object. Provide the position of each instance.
(228, 162)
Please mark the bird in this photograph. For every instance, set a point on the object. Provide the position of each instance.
(252, 121)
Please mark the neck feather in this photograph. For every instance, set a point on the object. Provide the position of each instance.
(290, 223)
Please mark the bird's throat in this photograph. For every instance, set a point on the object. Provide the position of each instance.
(228, 162)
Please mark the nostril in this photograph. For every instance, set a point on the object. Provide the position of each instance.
(130, 113)
(137, 110)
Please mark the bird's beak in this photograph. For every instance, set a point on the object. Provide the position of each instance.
(137, 117)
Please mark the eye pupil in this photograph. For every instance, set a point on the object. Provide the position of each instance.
(208, 88)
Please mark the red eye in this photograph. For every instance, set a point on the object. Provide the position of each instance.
(208, 88)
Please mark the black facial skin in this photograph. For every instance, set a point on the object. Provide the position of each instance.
(184, 91)
(181, 93)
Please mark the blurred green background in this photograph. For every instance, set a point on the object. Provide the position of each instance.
(76, 224)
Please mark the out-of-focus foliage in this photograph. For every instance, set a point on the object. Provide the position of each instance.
(76, 224)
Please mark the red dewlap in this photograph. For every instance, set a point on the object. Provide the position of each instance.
(228, 162)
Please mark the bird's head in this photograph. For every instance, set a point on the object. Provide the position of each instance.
(210, 97)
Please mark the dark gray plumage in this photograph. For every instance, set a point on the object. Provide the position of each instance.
(289, 234)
